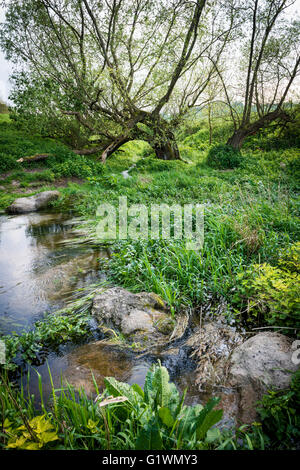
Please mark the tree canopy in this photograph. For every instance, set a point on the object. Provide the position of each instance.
(270, 62)
(130, 69)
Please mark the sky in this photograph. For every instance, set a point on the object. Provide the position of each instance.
(6, 67)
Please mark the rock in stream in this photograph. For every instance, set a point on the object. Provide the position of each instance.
(142, 317)
(259, 364)
(32, 203)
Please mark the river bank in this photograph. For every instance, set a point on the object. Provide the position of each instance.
(246, 273)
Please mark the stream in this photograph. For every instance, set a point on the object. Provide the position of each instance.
(41, 265)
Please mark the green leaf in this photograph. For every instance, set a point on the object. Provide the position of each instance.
(136, 388)
(160, 383)
(48, 437)
(117, 389)
(212, 435)
(207, 418)
(166, 416)
(149, 437)
(148, 387)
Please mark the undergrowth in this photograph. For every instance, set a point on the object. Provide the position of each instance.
(249, 258)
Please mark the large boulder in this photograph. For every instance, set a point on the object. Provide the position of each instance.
(259, 364)
(32, 203)
(133, 314)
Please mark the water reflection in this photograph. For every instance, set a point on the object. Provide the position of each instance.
(85, 364)
(37, 272)
(89, 363)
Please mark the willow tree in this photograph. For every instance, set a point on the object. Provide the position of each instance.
(268, 56)
(123, 69)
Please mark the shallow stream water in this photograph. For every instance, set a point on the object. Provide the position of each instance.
(41, 265)
(38, 271)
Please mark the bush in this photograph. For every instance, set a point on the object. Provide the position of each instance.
(223, 157)
(76, 165)
(272, 293)
(280, 416)
(289, 259)
(8, 162)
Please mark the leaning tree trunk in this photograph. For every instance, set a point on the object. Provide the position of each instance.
(237, 139)
(167, 150)
(162, 141)
(104, 150)
(113, 146)
(164, 144)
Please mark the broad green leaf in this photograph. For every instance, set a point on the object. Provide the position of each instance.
(117, 389)
(138, 390)
(166, 416)
(207, 418)
(148, 387)
(161, 385)
(212, 435)
(149, 437)
(17, 443)
(48, 437)
(31, 446)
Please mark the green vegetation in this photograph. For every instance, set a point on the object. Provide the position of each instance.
(51, 332)
(280, 415)
(69, 324)
(127, 417)
(122, 417)
(16, 144)
(224, 157)
(271, 295)
(139, 99)
(250, 260)
(251, 217)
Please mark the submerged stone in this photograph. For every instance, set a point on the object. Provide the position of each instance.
(95, 361)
